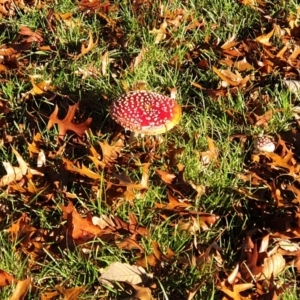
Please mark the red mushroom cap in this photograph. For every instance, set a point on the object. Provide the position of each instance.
(146, 112)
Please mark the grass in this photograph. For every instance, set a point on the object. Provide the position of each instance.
(173, 62)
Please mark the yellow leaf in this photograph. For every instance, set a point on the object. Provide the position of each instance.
(265, 38)
(233, 79)
(40, 88)
(212, 154)
(82, 171)
(160, 33)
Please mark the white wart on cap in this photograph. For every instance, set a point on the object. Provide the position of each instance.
(264, 143)
(146, 112)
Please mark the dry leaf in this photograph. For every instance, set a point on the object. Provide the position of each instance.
(237, 289)
(82, 229)
(41, 87)
(109, 153)
(15, 174)
(233, 79)
(273, 266)
(91, 45)
(243, 65)
(173, 204)
(41, 160)
(138, 59)
(289, 246)
(6, 279)
(156, 258)
(160, 33)
(49, 295)
(211, 155)
(292, 85)
(83, 170)
(21, 289)
(21, 226)
(124, 272)
(265, 38)
(167, 177)
(34, 146)
(68, 19)
(103, 221)
(31, 36)
(253, 3)
(105, 61)
(67, 124)
(70, 294)
(140, 293)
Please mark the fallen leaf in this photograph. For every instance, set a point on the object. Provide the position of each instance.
(234, 293)
(85, 49)
(103, 221)
(130, 244)
(6, 279)
(211, 155)
(82, 229)
(49, 295)
(160, 34)
(167, 177)
(243, 65)
(21, 289)
(41, 87)
(15, 174)
(253, 3)
(41, 160)
(97, 5)
(138, 59)
(289, 246)
(231, 42)
(34, 146)
(173, 204)
(20, 227)
(67, 123)
(292, 85)
(71, 293)
(3, 107)
(31, 36)
(82, 170)
(140, 293)
(109, 153)
(68, 19)
(233, 79)
(124, 272)
(105, 61)
(156, 258)
(265, 38)
(273, 266)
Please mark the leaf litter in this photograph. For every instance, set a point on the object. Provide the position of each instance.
(271, 179)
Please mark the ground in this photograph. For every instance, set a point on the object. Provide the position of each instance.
(208, 210)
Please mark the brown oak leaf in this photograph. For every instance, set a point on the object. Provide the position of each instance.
(67, 124)
(31, 36)
(82, 229)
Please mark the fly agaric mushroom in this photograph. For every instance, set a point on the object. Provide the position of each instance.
(146, 113)
(264, 143)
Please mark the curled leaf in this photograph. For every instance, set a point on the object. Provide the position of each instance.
(124, 272)
(273, 266)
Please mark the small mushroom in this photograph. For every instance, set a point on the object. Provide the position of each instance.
(264, 143)
(146, 113)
